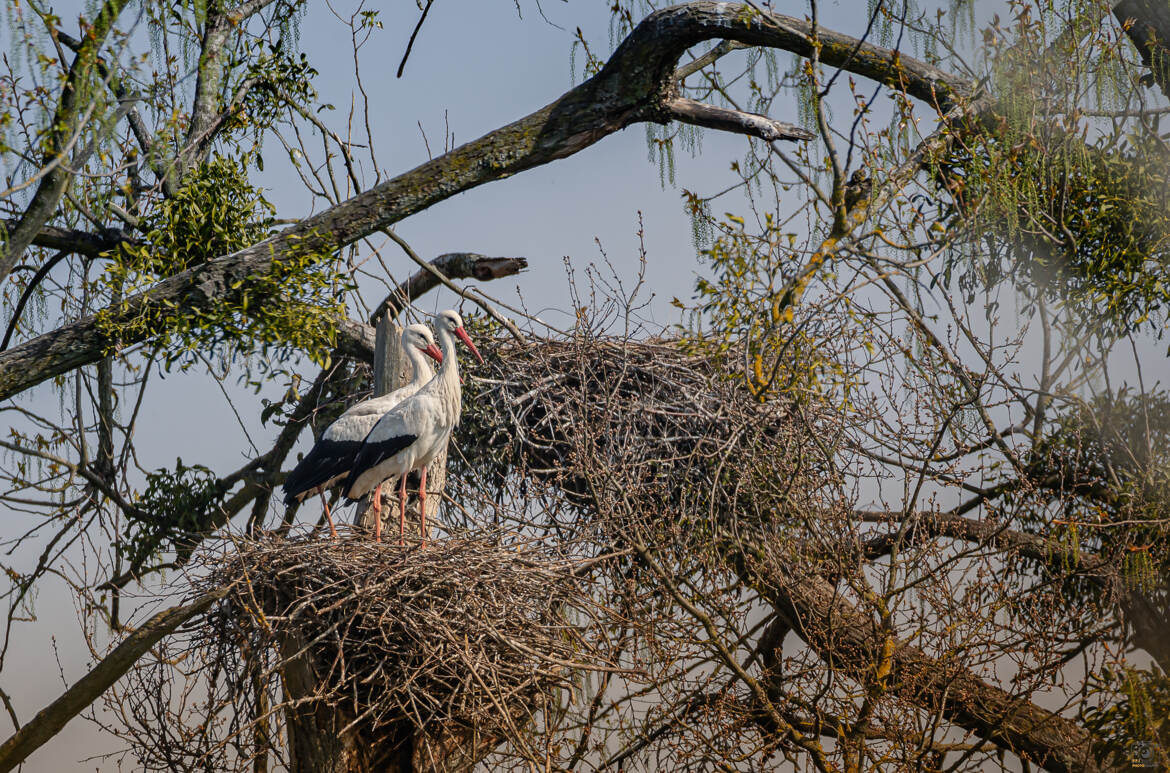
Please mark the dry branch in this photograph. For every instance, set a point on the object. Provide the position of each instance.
(49, 721)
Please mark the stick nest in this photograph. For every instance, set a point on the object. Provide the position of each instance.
(638, 432)
(382, 634)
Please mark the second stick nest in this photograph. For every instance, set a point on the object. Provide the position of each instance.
(385, 635)
(643, 436)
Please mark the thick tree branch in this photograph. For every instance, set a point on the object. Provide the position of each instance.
(80, 242)
(1149, 625)
(49, 721)
(853, 643)
(468, 293)
(214, 55)
(453, 265)
(998, 535)
(723, 119)
(1147, 23)
(634, 86)
(356, 340)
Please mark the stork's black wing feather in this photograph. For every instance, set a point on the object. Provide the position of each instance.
(326, 460)
(374, 453)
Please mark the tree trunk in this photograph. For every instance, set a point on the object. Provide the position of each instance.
(318, 741)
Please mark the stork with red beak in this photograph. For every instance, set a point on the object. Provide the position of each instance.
(330, 459)
(416, 431)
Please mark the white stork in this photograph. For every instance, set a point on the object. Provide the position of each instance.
(330, 459)
(412, 435)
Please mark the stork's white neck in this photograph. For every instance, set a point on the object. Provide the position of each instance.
(420, 374)
(447, 379)
(450, 366)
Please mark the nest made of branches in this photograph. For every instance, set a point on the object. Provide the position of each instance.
(641, 430)
(429, 636)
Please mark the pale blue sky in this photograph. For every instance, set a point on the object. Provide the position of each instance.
(477, 66)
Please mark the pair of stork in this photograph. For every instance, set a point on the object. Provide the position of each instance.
(392, 435)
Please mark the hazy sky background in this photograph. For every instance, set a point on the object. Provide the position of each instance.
(475, 66)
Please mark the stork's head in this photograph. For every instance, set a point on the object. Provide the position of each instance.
(419, 336)
(451, 322)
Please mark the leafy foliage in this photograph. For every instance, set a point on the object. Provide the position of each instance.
(291, 307)
(1109, 454)
(1134, 721)
(172, 507)
(216, 212)
(741, 312)
(280, 76)
(1072, 211)
(1089, 226)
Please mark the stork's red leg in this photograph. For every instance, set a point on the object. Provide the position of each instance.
(422, 505)
(378, 513)
(328, 516)
(402, 511)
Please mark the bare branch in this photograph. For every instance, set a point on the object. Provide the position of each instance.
(724, 119)
(49, 720)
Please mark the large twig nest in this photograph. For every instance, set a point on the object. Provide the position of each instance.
(446, 633)
(643, 435)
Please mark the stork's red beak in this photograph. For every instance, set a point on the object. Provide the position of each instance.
(434, 353)
(467, 340)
